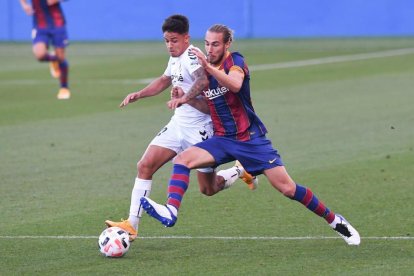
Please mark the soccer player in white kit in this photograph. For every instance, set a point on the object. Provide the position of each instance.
(189, 125)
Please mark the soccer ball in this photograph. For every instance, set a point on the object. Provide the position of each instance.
(113, 242)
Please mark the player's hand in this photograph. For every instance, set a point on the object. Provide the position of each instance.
(27, 9)
(53, 2)
(176, 92)
(175, 103)
(132, 97)
(201, 57)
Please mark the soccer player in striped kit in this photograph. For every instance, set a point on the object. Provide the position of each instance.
(238, 134)
(49, 27)
(189, 125)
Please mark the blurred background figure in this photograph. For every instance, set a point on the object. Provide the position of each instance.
(49, 27)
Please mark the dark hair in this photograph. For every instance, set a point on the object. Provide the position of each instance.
(176, 23)
(226, 31)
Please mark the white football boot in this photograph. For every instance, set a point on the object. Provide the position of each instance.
(166, 214)
(346, 231)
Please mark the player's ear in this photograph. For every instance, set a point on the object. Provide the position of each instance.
(227, 45)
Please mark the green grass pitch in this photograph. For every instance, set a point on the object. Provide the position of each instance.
(345, 129)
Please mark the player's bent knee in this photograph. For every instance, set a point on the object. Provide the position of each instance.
(289, 193)
(40, 54)
(40, 57)
(286, 188)
(182, 160)
(145, 168)
(207, 191)
(204, 191)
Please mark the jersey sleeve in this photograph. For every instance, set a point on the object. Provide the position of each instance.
(237, 68)
(239, 64)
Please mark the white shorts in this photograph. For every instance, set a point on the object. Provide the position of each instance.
(178, 138)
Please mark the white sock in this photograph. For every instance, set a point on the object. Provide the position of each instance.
(230, 176)
(142, 187)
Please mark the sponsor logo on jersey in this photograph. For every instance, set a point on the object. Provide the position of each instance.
(191, 55)
(177, 78)
(216, 92)
(194, 62)
(176, 73)
(193, 59)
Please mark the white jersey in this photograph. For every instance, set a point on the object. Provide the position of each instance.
(179, 69)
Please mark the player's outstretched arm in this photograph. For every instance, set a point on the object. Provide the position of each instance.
(26, 7)
(52, 2)
(154, 88)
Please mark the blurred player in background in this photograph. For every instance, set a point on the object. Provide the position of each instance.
(190, 124)
(49, 27)
(239, 134)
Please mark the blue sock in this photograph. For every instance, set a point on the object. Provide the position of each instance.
(178, 185)
(306, 197)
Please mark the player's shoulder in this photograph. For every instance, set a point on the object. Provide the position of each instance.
(189, 59)
(235, 61)
(237, 56)
(193, 47)
(190, 55)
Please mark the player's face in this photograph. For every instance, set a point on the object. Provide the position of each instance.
(215, 47)
(176, 43)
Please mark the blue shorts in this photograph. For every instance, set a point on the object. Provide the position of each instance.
(57, 36)
(256, 155)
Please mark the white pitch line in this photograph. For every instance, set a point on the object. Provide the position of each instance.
(258, 67)
(333, 59)
(208, 238)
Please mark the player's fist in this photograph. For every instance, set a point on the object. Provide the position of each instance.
(176, 92)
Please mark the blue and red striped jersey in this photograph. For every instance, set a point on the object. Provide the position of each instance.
(232, 113)
(46, 16)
